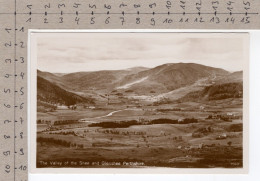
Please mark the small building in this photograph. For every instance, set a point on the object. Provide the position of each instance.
(162, 133)
(90, 107)
(180, 120)
(62, 107)
(230, 114)
(202, 107)
(201, 145)
(221, 137)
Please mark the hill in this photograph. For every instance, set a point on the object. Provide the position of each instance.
(173, 81)
(168, 77)
(81, 81)
(93, 80)
(232, 77)
(216, 92)
(53, 78)
(50, 93)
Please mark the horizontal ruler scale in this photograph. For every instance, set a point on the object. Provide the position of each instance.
(143, 14)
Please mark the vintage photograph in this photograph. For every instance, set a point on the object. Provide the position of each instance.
(140, 100)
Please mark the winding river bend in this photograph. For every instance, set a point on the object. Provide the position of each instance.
(109, 114)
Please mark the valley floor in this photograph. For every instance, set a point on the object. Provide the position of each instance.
(212, 142)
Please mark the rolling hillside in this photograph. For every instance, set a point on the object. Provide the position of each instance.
(52, 78)
(162, 78)
(168, 77)
(81, 81)
(232, 77)
(185, 81)
(216, 92)
(50, 93)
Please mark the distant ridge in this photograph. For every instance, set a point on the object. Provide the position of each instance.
(141, 80)
(168, 77)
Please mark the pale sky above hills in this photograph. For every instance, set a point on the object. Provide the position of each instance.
(75, 52)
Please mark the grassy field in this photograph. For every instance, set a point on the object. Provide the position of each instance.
(207, 143)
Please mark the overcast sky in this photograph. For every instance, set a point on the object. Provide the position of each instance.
(75, 52)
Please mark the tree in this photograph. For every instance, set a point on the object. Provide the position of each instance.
(229, 143)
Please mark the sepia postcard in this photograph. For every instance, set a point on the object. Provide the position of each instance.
(138, 102)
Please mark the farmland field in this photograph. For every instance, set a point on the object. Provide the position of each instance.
(167, 145)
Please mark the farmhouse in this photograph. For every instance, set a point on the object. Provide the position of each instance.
(62, 107)
(230, 114)
(180, 120)
(202, 107)
(221, 137)
(199, 146)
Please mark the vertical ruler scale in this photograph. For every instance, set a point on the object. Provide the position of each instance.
(13, 96)
(7, 91)
(21, 167)
(17, 16)
(15, 91)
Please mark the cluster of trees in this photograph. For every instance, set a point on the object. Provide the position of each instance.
(164, 121)
(236, 127)
(40, 121)
(59, 142)
(126, 124)
(223, 117)
(52, 128)
(109, 131)
(64, 122)
(188, 121)
(173, 121)
(65, 133)
(121, 124)
(167, 110)
(202, 132)
(177, 138)
(224, 91)
(164, 100)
